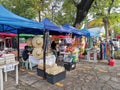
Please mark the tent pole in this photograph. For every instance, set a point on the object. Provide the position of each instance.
(44, 54)
(18, 47)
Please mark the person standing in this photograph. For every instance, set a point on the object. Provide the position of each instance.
(111, 48)
(101, 49)
(53, 47)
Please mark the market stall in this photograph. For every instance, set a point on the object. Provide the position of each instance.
(9, 22)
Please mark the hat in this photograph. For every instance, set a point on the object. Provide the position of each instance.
(37, 41)
(38, 53)
(29, 42)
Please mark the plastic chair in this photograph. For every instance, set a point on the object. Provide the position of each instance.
(25, 63)
(30, 65)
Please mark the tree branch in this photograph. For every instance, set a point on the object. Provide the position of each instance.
(82, 10)
(74, 3)
(110, 7)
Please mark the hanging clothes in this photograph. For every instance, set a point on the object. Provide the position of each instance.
(104, 46)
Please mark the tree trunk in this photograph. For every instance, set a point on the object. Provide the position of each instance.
(105, 20)
(82, 11)
(39, 16)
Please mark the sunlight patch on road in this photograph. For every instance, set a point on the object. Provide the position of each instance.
(101, 70)
(59, 84)
(87, 67)
(22, 69)
(31, 73)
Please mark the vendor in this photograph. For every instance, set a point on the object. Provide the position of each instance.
(25, 53)
(53, 47)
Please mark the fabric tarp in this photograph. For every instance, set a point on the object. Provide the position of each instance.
(53, 28)
(74, 30)
(86, 32)
(98, 31)
(2, 34)
(11, 22)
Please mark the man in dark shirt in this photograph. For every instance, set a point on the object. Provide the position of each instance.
(53, 47)
(25, 53)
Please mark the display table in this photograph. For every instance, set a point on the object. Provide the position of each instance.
(33, 60)
(50, 60)
(2, 67)
(94, 51)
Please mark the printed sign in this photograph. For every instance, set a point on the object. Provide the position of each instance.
(9, 67)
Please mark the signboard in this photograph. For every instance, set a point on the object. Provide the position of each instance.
(9, 67)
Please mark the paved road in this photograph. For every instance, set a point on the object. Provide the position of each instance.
(86, 76)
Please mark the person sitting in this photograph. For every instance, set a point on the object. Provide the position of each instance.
(25, 53)
(25, 56)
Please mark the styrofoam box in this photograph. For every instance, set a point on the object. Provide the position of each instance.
(9, 58)
(2, 60)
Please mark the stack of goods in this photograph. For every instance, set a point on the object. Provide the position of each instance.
(29, 42)
(54, 70)
(9, 58)
(37, 43)
(50, 61)
(40, 70)
(55, 74)
(40, 66)
(2, 61)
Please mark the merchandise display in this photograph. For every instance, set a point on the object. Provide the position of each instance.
(9, 58)
(29, 42)
(37, 42)
(55, 70)
(2, 61)
(37, 53)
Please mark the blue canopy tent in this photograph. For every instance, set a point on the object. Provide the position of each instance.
(53, 28)
(10, 22)
(92, 34)
(99, 31)
(89, 33)
(74, 30)
(86, 32)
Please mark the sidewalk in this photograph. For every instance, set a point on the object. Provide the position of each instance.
(86, 76)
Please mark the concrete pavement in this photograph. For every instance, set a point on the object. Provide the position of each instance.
(86, 76)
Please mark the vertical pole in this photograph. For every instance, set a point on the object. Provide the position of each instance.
(16, 74)
(1, 79)
(18, 46)
(44, 54)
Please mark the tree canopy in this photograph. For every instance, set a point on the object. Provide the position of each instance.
(74, 12)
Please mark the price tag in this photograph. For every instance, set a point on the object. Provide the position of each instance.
(8, 68)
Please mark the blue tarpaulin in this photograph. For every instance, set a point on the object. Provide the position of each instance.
(11, 22)
(86, 32)
(53, 28)
(74, 30)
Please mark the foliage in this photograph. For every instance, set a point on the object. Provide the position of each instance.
(102, 8)
(28, 8)
(66, 14)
